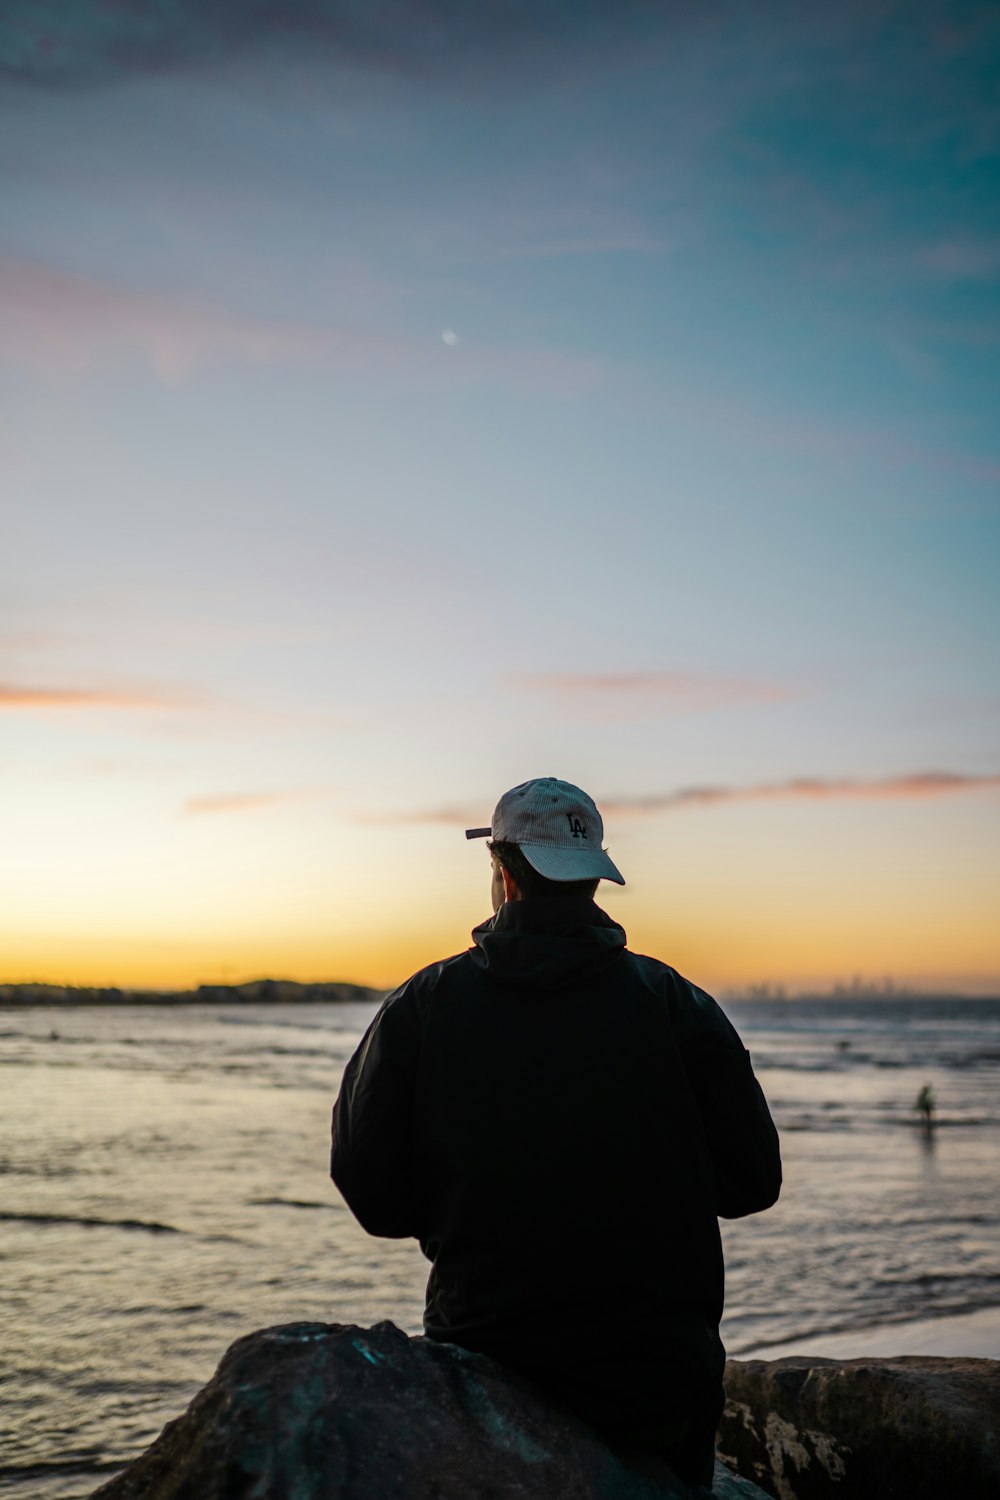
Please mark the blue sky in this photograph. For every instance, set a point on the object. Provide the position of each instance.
(399, 402)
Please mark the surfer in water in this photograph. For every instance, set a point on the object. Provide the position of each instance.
(924, 1105)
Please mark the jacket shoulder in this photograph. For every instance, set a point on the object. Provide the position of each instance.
(696, 1015)
(421, 986)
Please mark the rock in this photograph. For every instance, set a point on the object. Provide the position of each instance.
(317, 1411)
(809, 1428)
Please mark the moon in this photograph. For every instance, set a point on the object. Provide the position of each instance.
(449, 337)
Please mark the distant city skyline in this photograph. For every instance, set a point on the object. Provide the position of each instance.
(398, 405)
(278, 991)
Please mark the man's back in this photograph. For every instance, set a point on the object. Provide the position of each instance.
(560, 1122)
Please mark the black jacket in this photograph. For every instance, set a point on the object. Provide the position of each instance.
(559, 1122)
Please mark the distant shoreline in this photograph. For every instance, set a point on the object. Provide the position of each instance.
(254, 992)
(292, 992)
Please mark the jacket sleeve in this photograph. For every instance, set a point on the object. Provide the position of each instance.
(372, 1132)
(742, 1139)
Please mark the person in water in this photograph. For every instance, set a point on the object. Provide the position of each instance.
(560, 1122)
(924, 1104)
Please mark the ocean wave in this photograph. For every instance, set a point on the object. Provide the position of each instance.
(933, 1222)
(149, 1225)
(36, 1169)
(887, 1318)
(845, 1118)
(68, 1468)
(927, 1279)
(294, 1203)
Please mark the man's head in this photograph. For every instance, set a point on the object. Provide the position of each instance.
(545, 840)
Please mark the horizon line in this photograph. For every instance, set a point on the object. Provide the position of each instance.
(751, 990)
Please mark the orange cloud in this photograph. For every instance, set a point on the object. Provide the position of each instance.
(32, 698)
(235, 802)
(450, 817)
(915, 785)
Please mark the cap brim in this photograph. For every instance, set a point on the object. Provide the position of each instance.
(557, 863)
(478, 833)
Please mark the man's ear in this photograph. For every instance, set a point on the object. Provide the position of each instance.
(510, 889)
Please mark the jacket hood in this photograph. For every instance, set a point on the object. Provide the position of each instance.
(547, 943)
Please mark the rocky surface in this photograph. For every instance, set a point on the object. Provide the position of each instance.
(812, 1429)
(316, 1411)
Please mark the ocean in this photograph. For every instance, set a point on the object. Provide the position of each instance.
(164, 1189)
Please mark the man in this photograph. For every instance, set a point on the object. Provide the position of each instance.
(560, 1122)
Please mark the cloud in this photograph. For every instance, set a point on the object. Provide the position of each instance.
(681, 690)
(77, 43)
(30, 698)
(55, 318)
(238, 802)
(548, 244)
(92, 42)
(61, 321)
(830, 441)
(914, 785)
(24, 638)
(918, 784)
(968, 332)
(234, 802)
(960, 258)
(448, 817)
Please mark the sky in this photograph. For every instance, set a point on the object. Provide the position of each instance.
(399, 401)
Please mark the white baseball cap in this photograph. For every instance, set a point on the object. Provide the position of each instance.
(557, 828)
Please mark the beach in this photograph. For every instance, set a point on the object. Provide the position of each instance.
(973, 1335)
(165, 1190)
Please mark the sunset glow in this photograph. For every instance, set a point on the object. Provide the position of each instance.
(384, 424)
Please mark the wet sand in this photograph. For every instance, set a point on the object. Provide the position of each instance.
(974, 1335)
